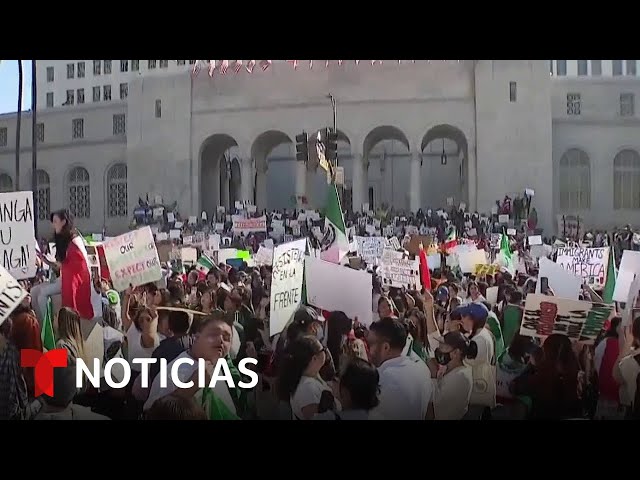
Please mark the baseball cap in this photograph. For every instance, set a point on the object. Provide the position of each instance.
(477, 311)
(113, 297)
(442, 292)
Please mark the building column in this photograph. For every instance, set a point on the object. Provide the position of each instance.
(261, 189)
(357, 188)
(471, 179)
(301, 181)
(224, 186)
(247, 179)
(414, 182)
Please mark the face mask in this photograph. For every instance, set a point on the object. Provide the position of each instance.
(443, 358)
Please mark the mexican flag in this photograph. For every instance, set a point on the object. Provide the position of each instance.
(610, 284)
(506, 252)
(204, 264)
(451, 241)
(46, 334)
(335, 244)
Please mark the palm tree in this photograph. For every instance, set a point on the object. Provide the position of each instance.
(18, 120)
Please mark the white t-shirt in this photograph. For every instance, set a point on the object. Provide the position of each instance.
(184, 373)
(135, 348)
(405, 390)
(308, 392)
(451, 394)
(484, 370)
(629, 369)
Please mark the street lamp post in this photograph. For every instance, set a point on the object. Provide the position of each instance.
(34, 145)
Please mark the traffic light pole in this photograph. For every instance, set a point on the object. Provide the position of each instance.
(335, 119)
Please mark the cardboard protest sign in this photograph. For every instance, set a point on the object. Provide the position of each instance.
(335, 288)
(133, 259)
(370, 248)
(399, 271)
(189, 255)
(11, 294)
(17, 236)
(563, 283)
(578, 320)
(264, 256)
(416, 240)
(248, 225)
(286, 283)
(588, 263)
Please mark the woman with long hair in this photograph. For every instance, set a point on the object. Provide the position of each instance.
(77, 289)
(70, 335)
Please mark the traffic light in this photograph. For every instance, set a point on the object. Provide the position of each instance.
(331, 145)
(302, 147)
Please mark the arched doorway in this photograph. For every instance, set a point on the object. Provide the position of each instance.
(386, 157)
(275, 170)
(215, 171)
(444, 151)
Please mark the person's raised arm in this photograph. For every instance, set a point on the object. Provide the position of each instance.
(124, 309)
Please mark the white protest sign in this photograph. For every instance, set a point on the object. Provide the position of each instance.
(193, 220)
(17, 236)
(178, 224)
(588, 263)
(434, 261)
(336, 288)
(227, 253)
(214, 242)
(219, 227)
(251, 208)
(248, 225)
(286, 283)
(204, 215)
(503, 218)
(162, 236)
(629, 267)
(189, 255)
(133, 259)
(268, 243)
(370, 248)
(511, 231)
(187, 240)
(11, 294)
(492, 295)
(631, 302)
(264, 256)
(535, 240)
(399, 271)
(469, 259)
(158, 212)
(174, 234)
(563, 283)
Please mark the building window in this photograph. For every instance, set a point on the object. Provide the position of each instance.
(616, 67)
(135, 65)
(582, 68)
(70, 97)
(97, 66)
(626, 180)
(78, 127)
(158, 108)
(119, 125)
(575, 181)
(561, 68)
(3, 136)
(49, 99)
(124, 91)
(573, 104)
(181, 62)
(79, 193)
(117, 190)
(164, 63)
(40, 132)
(596, 67)
(43, 194)
(124, 65)
(631, 67)
(71, 69)
(107, 67)
(96, 94)
(151, 64)
(49, 74)
(627, 105)
(80, 93)
(106, 93)
(192, 62)
(80, 69)
(513, 91)
(6, 183)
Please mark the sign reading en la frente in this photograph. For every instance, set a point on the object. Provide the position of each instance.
(133, 259)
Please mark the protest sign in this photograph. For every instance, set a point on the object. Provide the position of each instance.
(563, 283)
(370, 248)
(17, 236)
(434, 261)
(399, 271)
(482, 270)
(416, 240)
(11, 294)
(174, 234)
(248, 225)
(286, 283)
(189, 255)
(335, 288)
(503, 219)
(133, 259)
(631, 308)
(578, 320)
(470, 258)
(629, 268)
(588, 263)
(226, 253)
(264, 256)
(535, 240)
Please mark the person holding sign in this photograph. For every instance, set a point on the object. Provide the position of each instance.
(76, 286)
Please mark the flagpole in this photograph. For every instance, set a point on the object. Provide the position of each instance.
(34, 144)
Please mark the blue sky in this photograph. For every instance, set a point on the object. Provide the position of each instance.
(9, 85)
